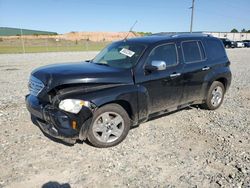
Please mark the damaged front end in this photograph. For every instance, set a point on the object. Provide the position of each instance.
(61, 96)
(59, 123)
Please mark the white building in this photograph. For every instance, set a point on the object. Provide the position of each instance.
(231, 36)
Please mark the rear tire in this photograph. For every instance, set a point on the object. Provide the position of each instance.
(110, 126)
(215, 96)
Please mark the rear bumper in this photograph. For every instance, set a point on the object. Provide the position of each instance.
(55, 122)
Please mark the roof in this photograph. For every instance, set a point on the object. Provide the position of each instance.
(7, 31)
(154, 38)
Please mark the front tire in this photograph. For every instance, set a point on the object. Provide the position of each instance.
(110, 126)
(215, 96)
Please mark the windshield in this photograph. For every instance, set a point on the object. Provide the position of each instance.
(120, 54)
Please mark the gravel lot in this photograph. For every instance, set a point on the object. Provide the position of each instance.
(189, 148)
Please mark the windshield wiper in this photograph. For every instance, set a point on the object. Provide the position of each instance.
(89, 61)
(102, 64)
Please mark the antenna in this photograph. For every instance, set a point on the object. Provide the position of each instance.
(131, 28)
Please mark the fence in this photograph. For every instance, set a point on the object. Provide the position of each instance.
(27, 45)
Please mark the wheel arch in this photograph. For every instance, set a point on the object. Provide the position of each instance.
(124, 104)
(132, 113)
(222, 75)
(223, 80)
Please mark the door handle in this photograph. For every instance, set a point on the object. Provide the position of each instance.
(175, 75)
(205, 68)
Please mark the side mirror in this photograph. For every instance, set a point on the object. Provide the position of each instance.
(160, 65)
(156, 65)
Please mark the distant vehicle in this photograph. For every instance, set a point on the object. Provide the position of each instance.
(228, 43)
(126, 84)
(246, 43)
(239, 44)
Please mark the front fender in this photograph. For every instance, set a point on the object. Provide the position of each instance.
(135, 96)
(124, 93)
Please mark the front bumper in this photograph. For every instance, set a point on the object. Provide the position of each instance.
(55, 122)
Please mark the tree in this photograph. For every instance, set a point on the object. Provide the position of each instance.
(234, 31)
(243, 31)
(144, 33)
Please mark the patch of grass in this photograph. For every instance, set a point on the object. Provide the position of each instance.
(34, 46)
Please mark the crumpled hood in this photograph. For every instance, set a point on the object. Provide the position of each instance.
(82, 72)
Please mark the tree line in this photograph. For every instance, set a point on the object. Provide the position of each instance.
(242, 31)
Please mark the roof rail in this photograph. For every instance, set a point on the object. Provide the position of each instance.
(177, 34)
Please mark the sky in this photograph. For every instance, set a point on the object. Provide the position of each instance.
(113, 15)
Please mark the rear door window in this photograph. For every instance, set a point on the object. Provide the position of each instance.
(193, 51)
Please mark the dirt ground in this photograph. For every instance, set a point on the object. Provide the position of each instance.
(189, 148)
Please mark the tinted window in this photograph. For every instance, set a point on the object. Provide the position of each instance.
(202, 51)
(216, 49)
(114, 55)
(120, 54)
(166, 52)
(192, 51)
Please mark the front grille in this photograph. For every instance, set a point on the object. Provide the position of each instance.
(35, 86)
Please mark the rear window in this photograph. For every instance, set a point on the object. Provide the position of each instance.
(216, 49)
(193, 51)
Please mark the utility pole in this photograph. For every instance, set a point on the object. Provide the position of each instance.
(192, 17)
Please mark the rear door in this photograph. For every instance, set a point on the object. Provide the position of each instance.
(194, 71)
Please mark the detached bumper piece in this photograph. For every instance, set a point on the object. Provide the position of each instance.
(52, 131)
(55, 122)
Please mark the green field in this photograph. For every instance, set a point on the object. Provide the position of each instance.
(48, 45)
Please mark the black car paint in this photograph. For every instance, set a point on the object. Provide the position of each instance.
(246, 43)
(144, 94)
(81, 73)
(228, 43)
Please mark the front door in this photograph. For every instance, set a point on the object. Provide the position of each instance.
(164, 87)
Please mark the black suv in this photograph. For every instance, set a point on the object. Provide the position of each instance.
(127, 83)
(228, 43)
(246, 43)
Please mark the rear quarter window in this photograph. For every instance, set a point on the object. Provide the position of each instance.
(216, 49)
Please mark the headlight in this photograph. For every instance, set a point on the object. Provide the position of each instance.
(73, 105)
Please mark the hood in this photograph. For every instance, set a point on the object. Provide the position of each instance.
(82, 72)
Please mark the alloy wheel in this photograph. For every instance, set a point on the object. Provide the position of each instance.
(217, 95)
(108, 127)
